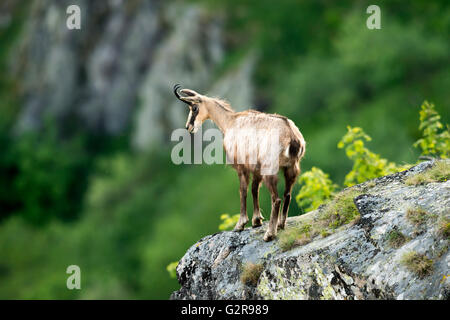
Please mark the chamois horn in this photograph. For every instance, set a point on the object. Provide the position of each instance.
(175, 90)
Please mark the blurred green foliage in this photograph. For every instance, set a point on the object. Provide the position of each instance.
(316, 188)
(51, 176)
(77, 198)
(228, 222)
(366, 164)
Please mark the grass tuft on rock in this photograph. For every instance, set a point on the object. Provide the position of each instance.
(339, 211)
(418, 263)
(251, 273)
(440, 172)
(443, 227)
(396, 239)
(417, 215)
(296, 236)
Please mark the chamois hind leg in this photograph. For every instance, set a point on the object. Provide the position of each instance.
(257, 217)
(290, 176)
(244, 177)
(271, 183)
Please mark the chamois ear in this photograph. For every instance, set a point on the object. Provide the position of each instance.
(189, 93)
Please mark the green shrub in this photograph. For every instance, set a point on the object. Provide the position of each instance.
(316, 188)
(435, 139)
(45, 177)
(366, 164)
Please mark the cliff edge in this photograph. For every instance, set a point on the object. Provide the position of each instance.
(397, 248)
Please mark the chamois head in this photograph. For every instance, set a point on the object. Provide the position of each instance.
(197, 107)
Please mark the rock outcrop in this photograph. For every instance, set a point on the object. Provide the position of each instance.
(355, 262)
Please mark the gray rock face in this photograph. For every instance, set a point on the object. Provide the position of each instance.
(355, 262)
(118, 71)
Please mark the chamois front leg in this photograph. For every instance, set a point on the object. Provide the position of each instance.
(271, 183)
(243, 179)
(257, 217)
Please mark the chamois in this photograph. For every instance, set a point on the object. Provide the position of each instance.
(247, 145)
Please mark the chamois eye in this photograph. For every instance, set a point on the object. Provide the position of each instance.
(194, 108)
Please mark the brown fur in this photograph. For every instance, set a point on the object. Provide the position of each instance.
(291, 149)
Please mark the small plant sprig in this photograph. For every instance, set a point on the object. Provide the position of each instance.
(435, 139)
(172, 269)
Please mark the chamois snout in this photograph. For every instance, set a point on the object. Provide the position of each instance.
(191, 124)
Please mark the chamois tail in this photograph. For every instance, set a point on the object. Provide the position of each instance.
(297, 145)
(294, 148)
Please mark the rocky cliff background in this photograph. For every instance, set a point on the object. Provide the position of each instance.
(118, 71)
(86, 116)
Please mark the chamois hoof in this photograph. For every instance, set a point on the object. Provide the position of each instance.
(280, 227)
(239, 228)
(268, 237)
(256, 223)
